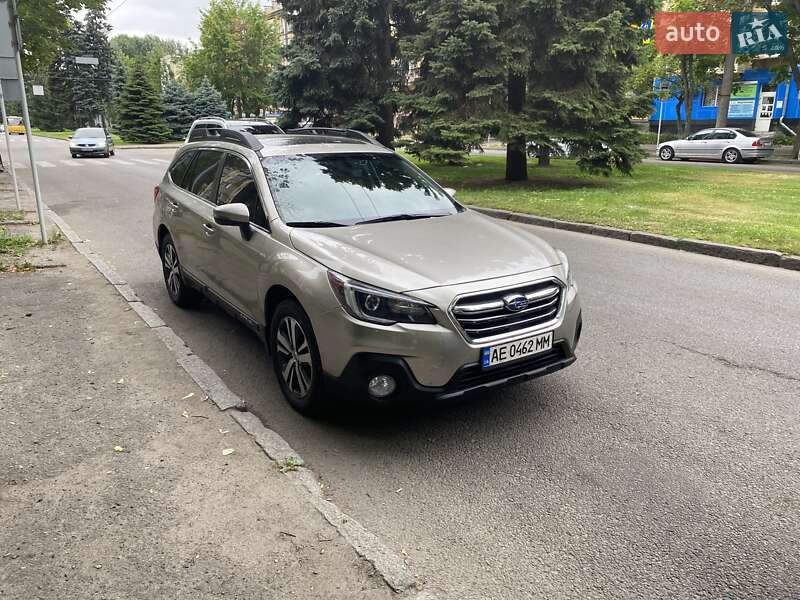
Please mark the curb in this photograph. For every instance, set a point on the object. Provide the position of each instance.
(389, 565)
(769, 258)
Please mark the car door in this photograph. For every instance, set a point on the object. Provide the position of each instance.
(193, 205)
(239, 255)
(695, 146)
(717, 142)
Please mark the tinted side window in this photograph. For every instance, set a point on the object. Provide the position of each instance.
(202, 176)
(723, 135)
(180, 167)
(237, 185)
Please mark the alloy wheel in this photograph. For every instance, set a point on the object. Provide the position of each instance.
(666, 153)
(731, 156)
(172, 271)
(294, 355)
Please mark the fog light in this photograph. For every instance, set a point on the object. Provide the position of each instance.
(382, 386)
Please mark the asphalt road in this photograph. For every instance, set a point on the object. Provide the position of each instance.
(664, 463)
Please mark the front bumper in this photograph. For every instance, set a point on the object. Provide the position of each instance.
(96, 151)
(471, 378)
(437, 359)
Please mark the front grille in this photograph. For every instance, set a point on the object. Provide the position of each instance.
(487, 315)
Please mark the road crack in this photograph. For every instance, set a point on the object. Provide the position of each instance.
(734, 365)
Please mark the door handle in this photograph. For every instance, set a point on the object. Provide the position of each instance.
(173, 204)
(210, 229)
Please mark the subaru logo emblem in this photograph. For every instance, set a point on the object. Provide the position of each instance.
(515, 302)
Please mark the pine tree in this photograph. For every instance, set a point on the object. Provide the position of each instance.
(208, 102)
(341, 68)
(178, 109)
(140, 110)
(91, 87)
(554, 75)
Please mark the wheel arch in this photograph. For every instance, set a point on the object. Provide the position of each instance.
(727, 148)
(162, 233)
(274, 296)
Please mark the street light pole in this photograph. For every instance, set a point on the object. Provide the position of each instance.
(660, 117)
(8, 148)
(27, 121)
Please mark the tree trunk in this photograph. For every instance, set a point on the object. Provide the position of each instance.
(543, 156)
(386, 130)
(516, 155)
(725, 90)
(678, 117)
(688, 90)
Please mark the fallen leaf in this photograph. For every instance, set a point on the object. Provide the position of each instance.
(228, 451)
(403, 552)
(119, 449)
(187, 396)
(121, 381)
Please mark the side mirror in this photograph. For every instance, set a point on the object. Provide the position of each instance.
(450, 191)
(234, 215)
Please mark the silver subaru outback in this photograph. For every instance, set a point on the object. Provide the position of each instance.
(357, 269)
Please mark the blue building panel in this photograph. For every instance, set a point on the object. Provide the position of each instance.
(742, 111)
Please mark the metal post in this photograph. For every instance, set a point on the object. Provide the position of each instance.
(8, 148)
(27, 120)
(660, 117)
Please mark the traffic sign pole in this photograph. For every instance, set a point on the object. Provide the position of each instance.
(8, 148)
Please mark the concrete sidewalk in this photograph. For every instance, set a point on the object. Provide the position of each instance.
(118, 479)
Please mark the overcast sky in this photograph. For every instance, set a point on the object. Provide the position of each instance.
(178, 19)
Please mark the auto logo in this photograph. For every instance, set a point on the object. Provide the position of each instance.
(515, 302)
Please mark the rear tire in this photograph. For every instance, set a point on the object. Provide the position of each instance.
(666, 153)
(731, 156)
(296, 359)
(74, 156)
(179, 292)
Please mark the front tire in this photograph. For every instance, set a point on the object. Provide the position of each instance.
(180, 293)
(732, 156)
(296, 359)
(666, 153)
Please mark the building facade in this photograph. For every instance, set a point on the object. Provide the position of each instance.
(758, 102)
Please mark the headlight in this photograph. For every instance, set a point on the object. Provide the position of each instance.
(570, 279)
(375, 305)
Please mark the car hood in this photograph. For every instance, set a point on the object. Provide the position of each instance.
(403, 256)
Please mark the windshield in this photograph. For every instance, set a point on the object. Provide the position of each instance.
(345, 189)
(14, 120)
(90, 132)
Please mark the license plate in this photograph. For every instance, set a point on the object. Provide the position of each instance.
(503, 353)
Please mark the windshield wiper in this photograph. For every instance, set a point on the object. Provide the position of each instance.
(400, 217)
(315, 224)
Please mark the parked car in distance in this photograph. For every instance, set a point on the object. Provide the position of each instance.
(730, 145)
(359, 271)
(254, 126)
(15, 125)
(91, 141)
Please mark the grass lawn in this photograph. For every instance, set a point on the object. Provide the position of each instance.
(745, 208)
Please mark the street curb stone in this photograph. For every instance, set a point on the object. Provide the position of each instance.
(768, 258)
(389, 565)
(790, 262)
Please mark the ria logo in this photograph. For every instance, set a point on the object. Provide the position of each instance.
(515, 302)
(721, 32)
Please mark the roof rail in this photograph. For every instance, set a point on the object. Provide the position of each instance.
(336, 132)
(218, 134)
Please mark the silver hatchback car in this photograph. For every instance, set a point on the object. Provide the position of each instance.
(357, 269)
(725, 144)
